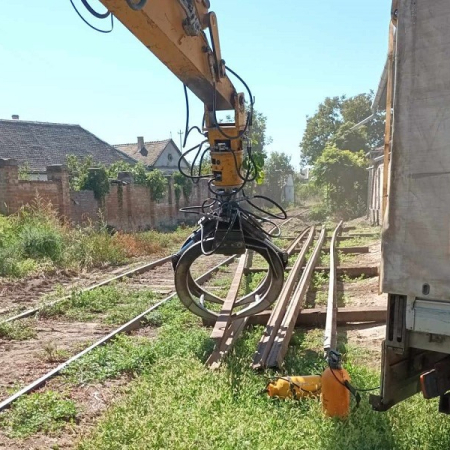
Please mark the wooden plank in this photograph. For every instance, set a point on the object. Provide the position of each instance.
(361, 235)
(388, 120)
(227, 308)
(315, 317)
(330, 337)
(366, 234)
(281, 342)
(349, 250)
(280, 308)
(352, 272)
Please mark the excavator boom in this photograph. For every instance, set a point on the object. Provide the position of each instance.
(174, 31)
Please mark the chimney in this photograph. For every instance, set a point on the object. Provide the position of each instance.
(141, 147)
(15, 116)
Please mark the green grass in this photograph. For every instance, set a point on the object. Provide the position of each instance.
(321, 299)
(35, 241)
(177, 403)
(346, 279)
(319, 280)
(17, 330)
(346, 258)
(180, 335)
(324, 260)
(44, 412)
(111, 304)
(174, 402)
(51, 353)
(356, 241)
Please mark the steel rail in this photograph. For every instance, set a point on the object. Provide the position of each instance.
(129, 273)
(266, 341)
(330, 337)
(286, 329)
(131, 325)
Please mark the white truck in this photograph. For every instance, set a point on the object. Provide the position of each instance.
(415, 270)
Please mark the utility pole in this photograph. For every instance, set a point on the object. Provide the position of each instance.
(181, 139)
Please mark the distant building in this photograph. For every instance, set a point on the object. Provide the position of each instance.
(289, 190)
(162, 155)
(37, 145)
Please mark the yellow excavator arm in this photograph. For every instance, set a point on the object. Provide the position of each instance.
(183, 34)
(175, 31)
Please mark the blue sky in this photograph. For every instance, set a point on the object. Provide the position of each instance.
(292, 54)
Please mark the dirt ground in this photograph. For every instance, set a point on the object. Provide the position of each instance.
(21, 362)
(18, 295)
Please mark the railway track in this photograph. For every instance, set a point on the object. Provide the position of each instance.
(287, 314)
(120, 274)
(156, 276)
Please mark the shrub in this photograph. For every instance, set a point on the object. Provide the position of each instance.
(342, 175)
(41, 240)
(157, 183)
(182, 185)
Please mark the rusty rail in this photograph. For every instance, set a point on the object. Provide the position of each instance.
(284, 334)
(265, 344)
(129, 273)
(330, 338)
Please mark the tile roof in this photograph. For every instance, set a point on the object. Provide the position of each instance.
(148, 157)
(42, 144)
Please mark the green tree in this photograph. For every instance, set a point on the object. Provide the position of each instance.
(349, 138)
(96, 181)
(258, 135)
(78, 169)
(342, 177)
(82, 178)
(331, 124)
(259, 140)
(157, 183)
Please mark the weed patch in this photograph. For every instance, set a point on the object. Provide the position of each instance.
(108, 304)
(17, 331)
(179, 335)
(34, 240)
(39, 412)
(51, 353)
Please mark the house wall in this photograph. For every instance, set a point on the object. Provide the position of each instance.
(169, 166)
(127, 207)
